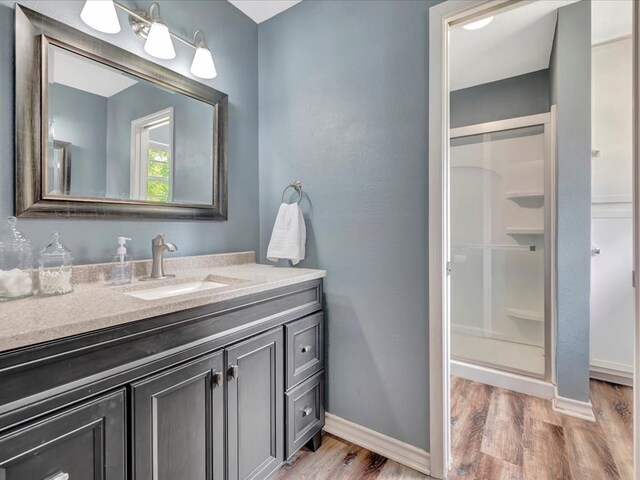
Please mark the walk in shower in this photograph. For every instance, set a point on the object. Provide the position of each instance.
(500, 233)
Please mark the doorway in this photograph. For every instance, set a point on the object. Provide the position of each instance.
(483, 263)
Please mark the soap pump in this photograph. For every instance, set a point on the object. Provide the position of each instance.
(121, 271)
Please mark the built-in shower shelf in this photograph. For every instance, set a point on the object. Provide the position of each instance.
(525, 196)
(524, 231)
(525, 314)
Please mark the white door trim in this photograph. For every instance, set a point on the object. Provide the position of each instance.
(440, 17)
(636, 230)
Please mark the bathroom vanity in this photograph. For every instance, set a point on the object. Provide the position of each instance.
(221, 383)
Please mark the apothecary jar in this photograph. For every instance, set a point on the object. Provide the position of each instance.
(55, 268)
(16, 263)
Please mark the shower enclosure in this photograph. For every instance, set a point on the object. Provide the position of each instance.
(501, 177)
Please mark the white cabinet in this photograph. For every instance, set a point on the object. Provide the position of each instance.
(612, 296)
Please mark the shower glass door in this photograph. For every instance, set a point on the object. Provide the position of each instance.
(497, 251)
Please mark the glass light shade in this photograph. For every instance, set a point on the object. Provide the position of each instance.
(159, 42)
(101, 15)
(202, 65)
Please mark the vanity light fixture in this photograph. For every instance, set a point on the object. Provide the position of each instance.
(478, 24)
(101, 15)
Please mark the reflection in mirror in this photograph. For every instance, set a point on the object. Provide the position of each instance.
(60, 167)
(129, 138)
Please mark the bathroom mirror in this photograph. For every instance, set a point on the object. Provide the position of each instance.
(146, 142)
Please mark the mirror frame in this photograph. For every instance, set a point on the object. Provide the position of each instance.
(34, 33)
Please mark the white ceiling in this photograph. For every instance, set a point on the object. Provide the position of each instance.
(610, 19)
(519, 40)
(83, 74)
(261, 10)
(516, 42)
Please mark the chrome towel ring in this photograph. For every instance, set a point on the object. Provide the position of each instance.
(297, 185)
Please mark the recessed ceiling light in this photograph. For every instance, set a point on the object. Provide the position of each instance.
(479, 24)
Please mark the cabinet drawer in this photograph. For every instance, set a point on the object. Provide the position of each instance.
(85, 442)
(305, 412)
(305, 348)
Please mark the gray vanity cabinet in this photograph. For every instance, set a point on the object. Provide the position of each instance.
(86, 442)
(255, 406)
(178, 422)
(225, 391)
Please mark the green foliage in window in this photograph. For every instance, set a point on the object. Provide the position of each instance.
(158, 169)
(158, 190)
(158, 155)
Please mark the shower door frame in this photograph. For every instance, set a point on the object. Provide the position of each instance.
(547, 121)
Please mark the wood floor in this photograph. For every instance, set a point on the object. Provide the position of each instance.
(503, 435)
(500, 435)
(338, 459)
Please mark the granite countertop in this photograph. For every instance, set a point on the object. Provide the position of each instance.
(96, 304)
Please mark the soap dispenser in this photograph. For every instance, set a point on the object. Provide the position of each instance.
(121, 270)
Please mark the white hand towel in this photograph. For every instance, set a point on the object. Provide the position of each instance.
(289, 235)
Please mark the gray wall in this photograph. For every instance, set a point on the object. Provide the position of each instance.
(571, 91)
(519, 96)
(233, 38)
(193, 140)
(343, 108)
(81, 118)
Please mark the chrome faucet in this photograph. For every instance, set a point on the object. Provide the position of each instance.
(158, 247)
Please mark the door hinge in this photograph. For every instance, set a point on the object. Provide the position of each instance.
(633, 278)
(448, 267)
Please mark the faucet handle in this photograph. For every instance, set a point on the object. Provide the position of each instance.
(158, 240)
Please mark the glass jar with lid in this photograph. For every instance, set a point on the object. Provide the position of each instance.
(16, 263)
(55, 268)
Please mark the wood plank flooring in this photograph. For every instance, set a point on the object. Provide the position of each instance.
(500, 435)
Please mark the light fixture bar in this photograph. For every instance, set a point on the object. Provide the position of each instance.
(148, 22)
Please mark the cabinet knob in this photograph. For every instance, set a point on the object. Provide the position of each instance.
(233, 371)
(305, 348)
(306, 411)
(59, 476)
(218, 379)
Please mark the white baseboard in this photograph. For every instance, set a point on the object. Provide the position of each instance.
(612, 375)
(509, 381)
(403, 453)
(573, 408)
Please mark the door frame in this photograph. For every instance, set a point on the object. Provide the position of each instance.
(441, 16)
(636, 230)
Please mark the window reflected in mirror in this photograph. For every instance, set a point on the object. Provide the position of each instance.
(130, 139)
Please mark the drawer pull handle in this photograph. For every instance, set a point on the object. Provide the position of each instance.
(305, 348)
(218, 379)
(59, 476)
(307, 411)
(233, 371)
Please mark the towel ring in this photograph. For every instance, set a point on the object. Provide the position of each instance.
(297, 185)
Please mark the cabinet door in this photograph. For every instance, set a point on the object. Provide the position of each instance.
(255, 406)
(83, 443)
(178, 422)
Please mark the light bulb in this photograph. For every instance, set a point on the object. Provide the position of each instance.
(202, 65)
(159, 42)
(479, 24)
(101, 15)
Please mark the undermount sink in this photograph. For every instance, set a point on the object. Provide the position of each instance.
(174, 290)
